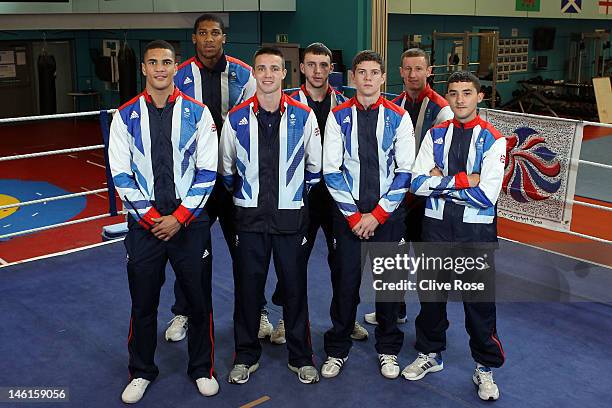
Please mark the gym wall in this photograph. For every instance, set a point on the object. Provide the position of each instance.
(403, 24)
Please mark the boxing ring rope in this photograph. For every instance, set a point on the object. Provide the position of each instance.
(590, 163)
(104, 124)
(54, 116)
(61, 224)
(110, 189)
(51, 153)
(585, 204)
(589, 237)
(53, 198)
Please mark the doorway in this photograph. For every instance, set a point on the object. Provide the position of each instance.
(64, 76)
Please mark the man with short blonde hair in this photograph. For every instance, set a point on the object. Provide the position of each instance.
(426, 109)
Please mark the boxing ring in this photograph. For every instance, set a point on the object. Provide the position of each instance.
(66, 316)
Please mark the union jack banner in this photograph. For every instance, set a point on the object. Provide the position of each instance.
(571, 6)
(605, 7)
(541, 167)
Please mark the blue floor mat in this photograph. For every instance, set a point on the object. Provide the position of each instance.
(65, 323)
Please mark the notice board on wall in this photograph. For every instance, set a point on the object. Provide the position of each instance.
(14, 64)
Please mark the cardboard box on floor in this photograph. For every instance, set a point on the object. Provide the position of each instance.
(603, 96)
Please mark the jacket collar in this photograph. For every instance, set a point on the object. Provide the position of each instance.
(283, 101)
(375, 105)
(219, 66)
(425, 92)
(175, 93)
(330, 89)
(469, 125)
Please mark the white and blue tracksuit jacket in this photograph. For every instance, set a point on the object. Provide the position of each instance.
(237, 82)
(434, 110)
(195, 152)
(486, 156)
(302, 94)
(341, 167)
(300, 153)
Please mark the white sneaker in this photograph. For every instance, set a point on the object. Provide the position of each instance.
(370, 318)
(207, 386)
(487, 388)
(332, 366)
(424, 363)
(278, 335)
(134, 390)
(306, 374)
(388, 365)
(359, 332)
(177, 329)
(265, 327)
(241, 373)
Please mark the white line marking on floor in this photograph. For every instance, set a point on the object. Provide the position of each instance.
(120, 239)
(96, 164)
(3, 262)
(69, 251)
(35, 214)
(6, 226)
(74, 156)
(38, 194)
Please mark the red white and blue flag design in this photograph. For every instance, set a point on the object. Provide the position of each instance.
(532, 169)
(539, 180)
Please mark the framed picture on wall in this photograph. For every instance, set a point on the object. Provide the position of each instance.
(502, 77)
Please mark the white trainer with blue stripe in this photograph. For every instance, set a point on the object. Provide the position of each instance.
(423, 365)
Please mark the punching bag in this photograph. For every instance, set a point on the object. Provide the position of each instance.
(127, 73)
(46, 84)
